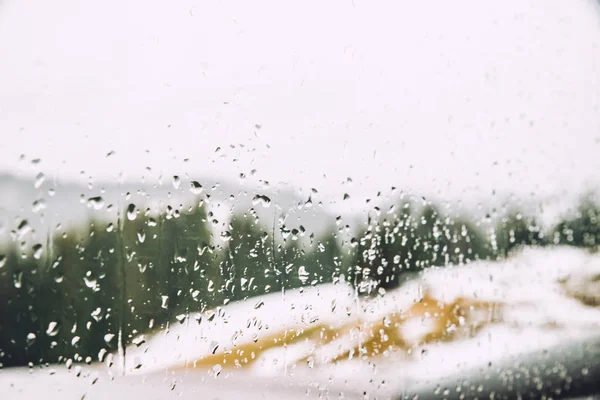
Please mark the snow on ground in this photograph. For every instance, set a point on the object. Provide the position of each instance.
(325, 339)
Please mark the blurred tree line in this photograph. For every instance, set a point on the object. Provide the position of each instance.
(85, 290)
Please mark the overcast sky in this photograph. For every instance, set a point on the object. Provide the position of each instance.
(453, 98)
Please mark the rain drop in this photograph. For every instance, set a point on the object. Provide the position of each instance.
(214, 345)
(262, 200)
(176, 182)
(89, 280)
(30, 339)
(195, 187)
(225, 236)
(37, 251)
(165, 302)
(23, 228)
(138, 341)
(302, 274)
(96, 202)
(18, 280)
(38, 205)
(109, 337)
(131, 212)
(39, 180)
(53, 329)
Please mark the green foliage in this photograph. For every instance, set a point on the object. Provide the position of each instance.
(408, 242)
(247, 266)
(582, 228)
(516, 230)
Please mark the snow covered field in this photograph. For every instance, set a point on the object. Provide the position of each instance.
(324, 340)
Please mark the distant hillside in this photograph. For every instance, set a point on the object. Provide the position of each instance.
(45, 202)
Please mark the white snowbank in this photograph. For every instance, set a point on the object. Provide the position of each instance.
(241, 323)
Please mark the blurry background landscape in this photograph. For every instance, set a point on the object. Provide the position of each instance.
(120, 269)
(160, 159)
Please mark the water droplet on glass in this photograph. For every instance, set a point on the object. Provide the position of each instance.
(310, 362)
(96, 202)
(214, 345)
(75, 340)
(39, 180)
(165, 302)
(23, 228)
(176, 181)
(195, 187)
(97, 314)
(181, 318)
(37, 251)
(225, 236)
(101, 355)
(18, 280)
(38, 205)
(131, 212)
(53, 329)
(302, 274)
(2, 260)
(262, 200)
(308, 203)
(138, 341)
(90, 280)
(210, 314)
(109, 337)
(141, 236)
(30, 339)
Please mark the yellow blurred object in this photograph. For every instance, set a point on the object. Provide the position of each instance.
(460, 318)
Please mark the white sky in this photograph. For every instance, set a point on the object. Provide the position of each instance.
(457, 98)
